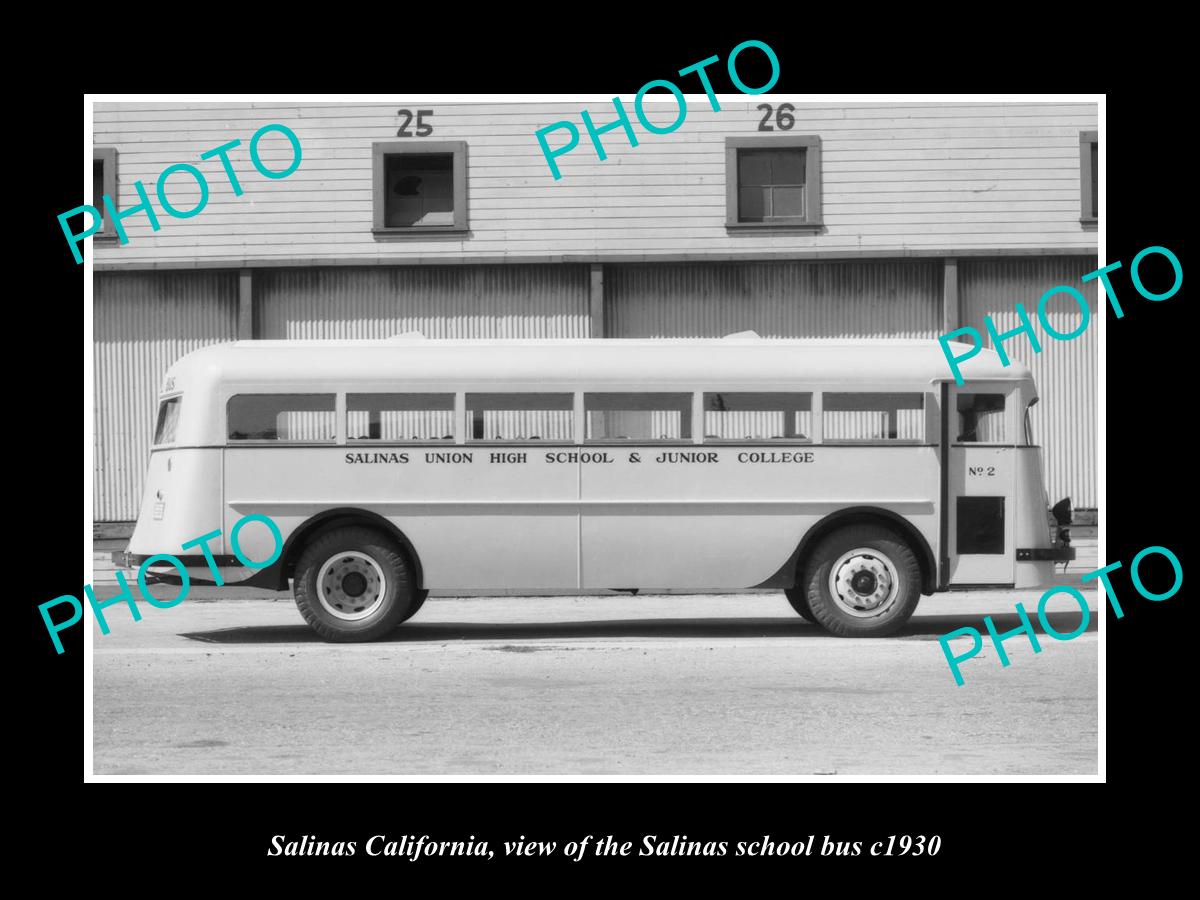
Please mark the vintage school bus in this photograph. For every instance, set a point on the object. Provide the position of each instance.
(855, 476)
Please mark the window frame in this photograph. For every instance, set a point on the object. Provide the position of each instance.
(958, 441)
(407, 442)
(1088, 215)
(468, 419)
(687, 418)
(922, 441)
(338, 411)
(383, 149)
(107, 156)
(764, 442)
(163, 400)
(811, 143)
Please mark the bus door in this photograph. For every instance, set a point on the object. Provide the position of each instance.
(981, 474)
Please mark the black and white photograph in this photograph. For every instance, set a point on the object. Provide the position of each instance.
(703, 432)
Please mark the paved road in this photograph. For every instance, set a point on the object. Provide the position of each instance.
(656, 685)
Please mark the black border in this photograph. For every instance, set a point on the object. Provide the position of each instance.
(995, 829)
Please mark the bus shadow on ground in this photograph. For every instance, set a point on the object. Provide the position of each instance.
(918, 628)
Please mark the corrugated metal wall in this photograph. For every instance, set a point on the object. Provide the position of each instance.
(143, 322)
(854, 299)
(889, 298)
(1064, 418)
(438, 301)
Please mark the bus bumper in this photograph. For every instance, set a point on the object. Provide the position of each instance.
(125, 560)
(1045, 554)
(269, 577)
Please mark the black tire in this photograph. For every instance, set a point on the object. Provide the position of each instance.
(418, 602)
(799, 602)
(890, 597)
(365, 555)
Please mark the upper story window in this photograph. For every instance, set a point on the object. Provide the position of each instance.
(521, 417)
(773, 182)
(104, 181)
(745, 416)
(419, 187)
(638, 416)
(1089, 178)
(282, 417)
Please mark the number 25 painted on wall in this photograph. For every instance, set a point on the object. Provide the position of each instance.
(424, 129)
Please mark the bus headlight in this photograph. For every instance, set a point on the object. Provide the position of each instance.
(1060, 518)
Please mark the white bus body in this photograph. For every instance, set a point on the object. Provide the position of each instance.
(854, 475)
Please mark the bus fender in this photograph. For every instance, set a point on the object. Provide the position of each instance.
(788, 574)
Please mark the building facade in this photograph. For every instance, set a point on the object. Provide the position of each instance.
(789, 219)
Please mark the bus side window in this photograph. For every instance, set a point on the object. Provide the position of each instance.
(638, 416)
(746, 416)
(980, 419)
(168, 420)
(400, 417)
(871, 416)
(521, 417)
(282, 417)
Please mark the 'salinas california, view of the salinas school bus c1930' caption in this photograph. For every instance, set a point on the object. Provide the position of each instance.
(855, 476)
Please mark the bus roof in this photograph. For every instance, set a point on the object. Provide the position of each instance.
(608, 360)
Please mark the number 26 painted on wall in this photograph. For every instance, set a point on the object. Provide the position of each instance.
(783, 116)
(421, 123)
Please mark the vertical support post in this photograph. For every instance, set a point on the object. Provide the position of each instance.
(463, 427)
(596, 302)
(951, 314)
(943, 572)
(245, 330)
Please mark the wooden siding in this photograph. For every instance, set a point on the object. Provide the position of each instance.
(897, 178)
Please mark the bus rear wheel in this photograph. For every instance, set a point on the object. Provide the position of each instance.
(354, 584)
(418, 601)
(862, 581)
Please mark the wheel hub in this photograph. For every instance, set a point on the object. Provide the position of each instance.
(864, 582)
(351, 585)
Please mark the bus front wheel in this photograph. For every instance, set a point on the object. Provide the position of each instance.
(354, 584)
(862, 581)
(799, 601)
